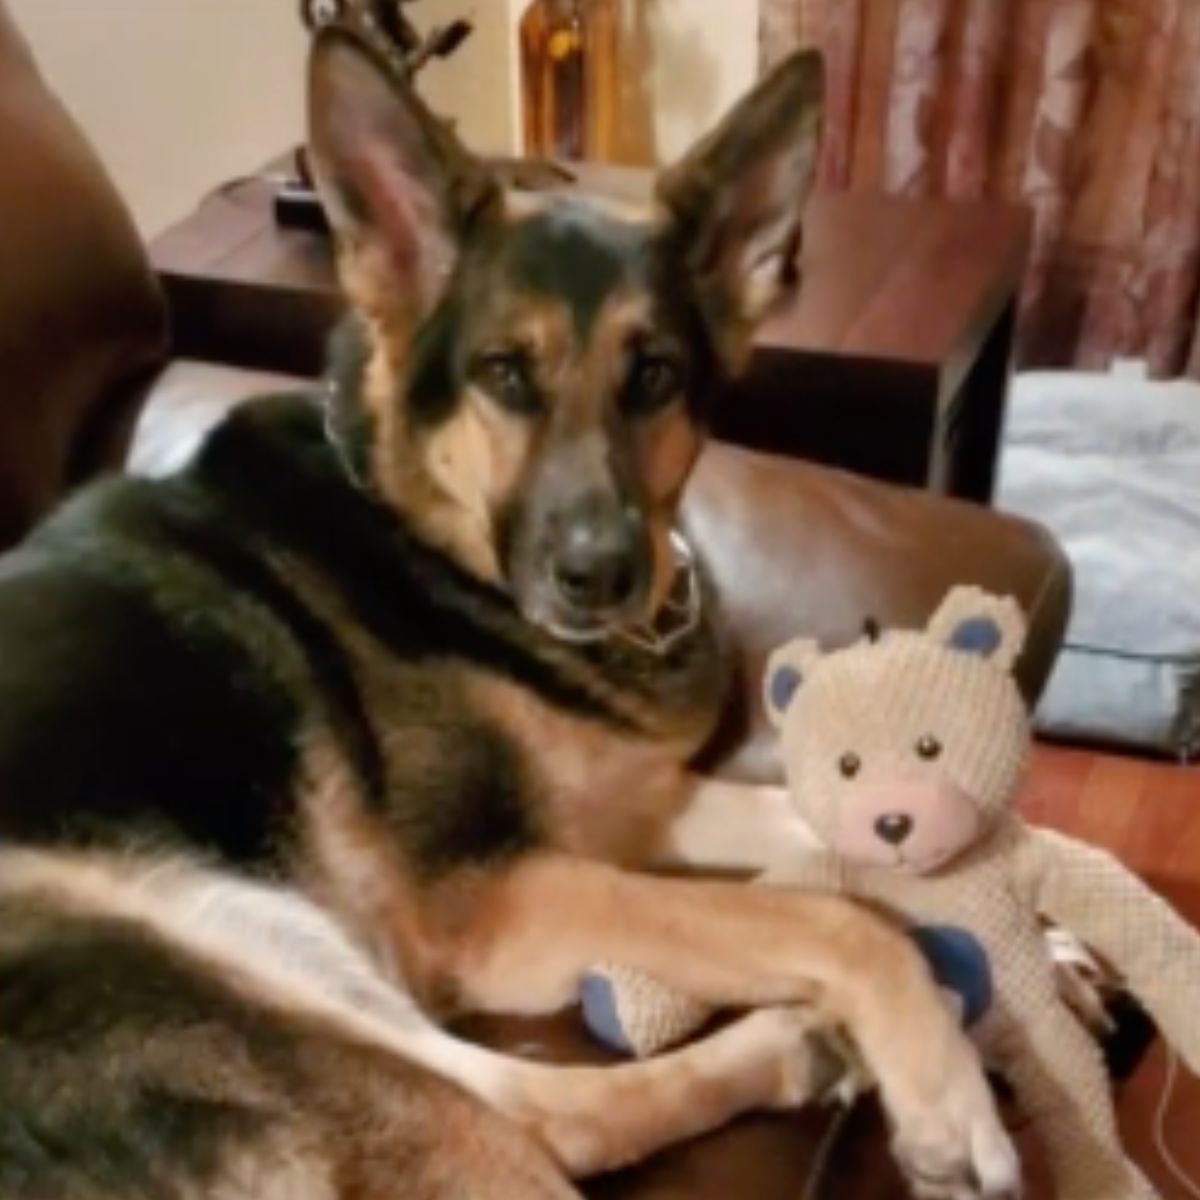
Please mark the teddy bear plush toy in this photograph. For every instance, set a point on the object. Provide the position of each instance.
(903, 754)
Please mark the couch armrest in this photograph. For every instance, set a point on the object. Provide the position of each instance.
(82, 323)
(796, 548)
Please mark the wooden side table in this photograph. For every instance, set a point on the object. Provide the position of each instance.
(892, 360)
(895, 357)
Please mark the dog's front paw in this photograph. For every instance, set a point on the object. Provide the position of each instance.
(955, 1146)
(800, 1062)
(960, 1165)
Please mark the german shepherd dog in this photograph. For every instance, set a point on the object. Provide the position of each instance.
(370, 716)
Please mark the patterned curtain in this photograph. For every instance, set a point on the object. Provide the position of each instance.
(1086, 110)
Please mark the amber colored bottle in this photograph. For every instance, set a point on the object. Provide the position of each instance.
(584, 66)
(552, 81)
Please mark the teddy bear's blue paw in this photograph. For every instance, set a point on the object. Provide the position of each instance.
(960, 964)
(601, 1013)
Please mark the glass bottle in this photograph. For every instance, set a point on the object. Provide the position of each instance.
(584, 81)
(553, 96)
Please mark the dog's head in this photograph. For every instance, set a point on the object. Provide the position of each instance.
(541, 369)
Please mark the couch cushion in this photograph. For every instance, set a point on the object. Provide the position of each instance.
(187, 400)
(797, 548)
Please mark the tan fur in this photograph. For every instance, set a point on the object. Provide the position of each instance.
(284, 1168)
(473, 462)
(380, 386)
(350, 866)
(547, 920)
(443, 481)
(581, 767)
(544, 922)
(372, 287)
(370, 1043)
(735, 827)
(612, 1117)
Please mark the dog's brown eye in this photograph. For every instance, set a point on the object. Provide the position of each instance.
(849, 764)
(653, 381)
(929, 747)
(505, 378)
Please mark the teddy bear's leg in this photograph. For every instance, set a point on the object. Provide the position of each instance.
(1058, 1073)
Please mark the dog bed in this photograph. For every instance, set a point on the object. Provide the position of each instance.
(1111, 464)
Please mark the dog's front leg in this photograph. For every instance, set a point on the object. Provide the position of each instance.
(725, 825)
(595, 1119)
(547, 919)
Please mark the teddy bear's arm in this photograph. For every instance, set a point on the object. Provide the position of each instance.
(1089, 892)
(812, 870)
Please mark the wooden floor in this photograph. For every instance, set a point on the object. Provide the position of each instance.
(1149, 814)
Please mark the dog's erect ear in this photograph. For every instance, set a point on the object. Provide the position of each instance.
(787, 669)
(399, 189)
(736, 199)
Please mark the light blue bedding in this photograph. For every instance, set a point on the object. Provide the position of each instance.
(1111, 465)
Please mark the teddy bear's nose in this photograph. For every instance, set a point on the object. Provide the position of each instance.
(894, 828)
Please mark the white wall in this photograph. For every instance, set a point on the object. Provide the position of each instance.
(176, 95)
(181, 95)
(705, 57)
(477, 85)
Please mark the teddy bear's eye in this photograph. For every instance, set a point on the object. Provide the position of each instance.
(929, 746)
(850, 764)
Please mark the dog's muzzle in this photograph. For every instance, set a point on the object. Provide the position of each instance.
(598, 562)
(677, 618)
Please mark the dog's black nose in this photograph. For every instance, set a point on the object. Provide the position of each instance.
(596, 565)
(894, 828)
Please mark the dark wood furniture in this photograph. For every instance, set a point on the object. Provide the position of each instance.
(893, 359)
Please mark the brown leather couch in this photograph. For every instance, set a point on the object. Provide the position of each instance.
(84, 332)
(84, 348)
(82, 325)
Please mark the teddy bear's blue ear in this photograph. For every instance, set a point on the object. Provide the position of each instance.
(972, 621)
(784, 681)
(977, 635)
(787, 670)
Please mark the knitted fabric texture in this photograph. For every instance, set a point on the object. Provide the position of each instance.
(635, 1014)
(904, 755)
